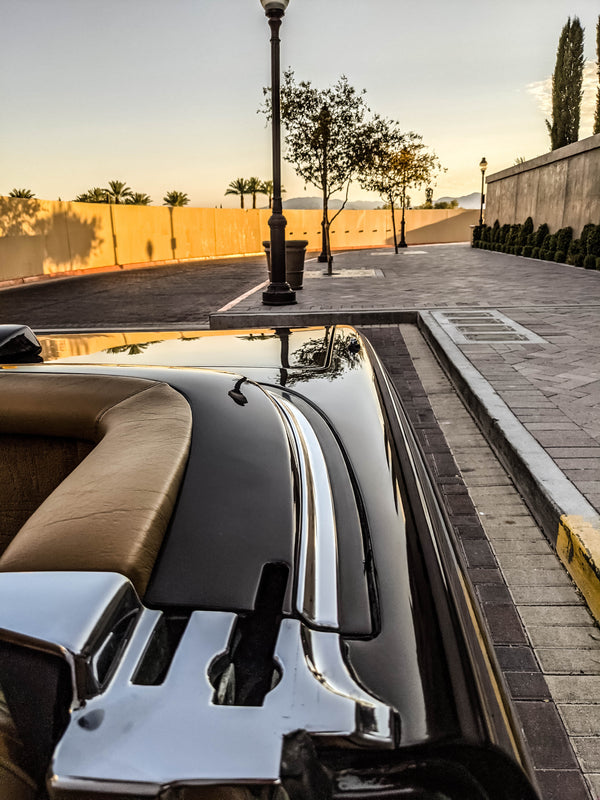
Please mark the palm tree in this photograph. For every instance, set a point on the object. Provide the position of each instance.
(175, 198)
(118, 192)
(239, 186)
(27, 193)
(138, 199)
(266, 187)
(253, 185)
(95, 195)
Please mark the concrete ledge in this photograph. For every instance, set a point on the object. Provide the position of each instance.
(568, 520)
(288, 318)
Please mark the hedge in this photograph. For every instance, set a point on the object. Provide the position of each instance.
(523, 240)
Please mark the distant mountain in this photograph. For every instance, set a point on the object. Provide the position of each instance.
(316, 202)
(466, 201)
(472, 200)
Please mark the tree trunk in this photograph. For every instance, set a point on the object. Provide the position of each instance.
(394, 228)
(325, 252)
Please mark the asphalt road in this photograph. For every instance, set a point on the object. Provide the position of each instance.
(182, 293)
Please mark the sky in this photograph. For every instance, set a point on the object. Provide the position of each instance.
(163, 94)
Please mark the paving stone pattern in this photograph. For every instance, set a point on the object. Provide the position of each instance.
(553, 387)
(545, 639)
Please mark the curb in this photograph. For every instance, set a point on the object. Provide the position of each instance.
(271, 318)
(570, 523)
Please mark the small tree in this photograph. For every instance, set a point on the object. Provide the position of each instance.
(25, 193)
(327, 139)
(175, 199)
(240, 187)
(597, 114)
(398, 161)
(566, 86)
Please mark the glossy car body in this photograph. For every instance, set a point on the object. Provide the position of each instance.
(243, 586)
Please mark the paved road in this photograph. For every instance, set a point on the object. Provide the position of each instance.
(181, 295)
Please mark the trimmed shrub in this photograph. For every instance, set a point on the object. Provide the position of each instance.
(535, 252)
(504, 234)
(560, 256)
(598, 262)
(589, 262)
(525, 232)
(526, 251)
(593, 242)
(573, 251)
(540, 235)
(579, 260)
(495, 231)
(564, 237)
(585, 234)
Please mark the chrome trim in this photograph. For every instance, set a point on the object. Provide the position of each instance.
(117, 743)
(317, 589)
(65, 613)
(324, 658)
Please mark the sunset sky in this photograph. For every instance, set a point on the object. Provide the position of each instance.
(164, 95)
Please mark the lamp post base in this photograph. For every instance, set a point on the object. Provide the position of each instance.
(279, 294)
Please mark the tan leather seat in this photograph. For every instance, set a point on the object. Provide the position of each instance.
(112, 511)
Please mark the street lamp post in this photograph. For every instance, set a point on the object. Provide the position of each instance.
(482, 167)
(278, 292)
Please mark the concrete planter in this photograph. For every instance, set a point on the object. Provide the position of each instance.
(295, 250)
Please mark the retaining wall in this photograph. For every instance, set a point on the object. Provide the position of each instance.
(41, 237)
(560, 188)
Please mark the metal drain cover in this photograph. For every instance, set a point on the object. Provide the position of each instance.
(484, 327)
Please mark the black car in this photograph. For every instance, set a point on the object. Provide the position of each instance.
(225, 574)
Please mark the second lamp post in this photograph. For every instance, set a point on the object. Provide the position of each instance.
(482, 167)
(278, 292)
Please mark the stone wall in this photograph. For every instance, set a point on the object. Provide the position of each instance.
(560, 188)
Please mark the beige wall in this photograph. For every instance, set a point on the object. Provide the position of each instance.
(560, 188)
(40, 237)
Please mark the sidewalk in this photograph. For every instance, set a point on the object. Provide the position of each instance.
(520, 339)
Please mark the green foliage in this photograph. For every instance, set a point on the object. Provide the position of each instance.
(564, 237)
(240, 187)
(446, 204)
(95, 195)
(535, 252)
(566, 86)
(138, 199)
(574, 252)
(525, 232)
(541, 234)
(527, 251)
(495, 231)
(118, 192)
(589, 262)
(560, 256)
(27, 194)
(329, 139)
(175, 199)
(593, 241)
(254, 187)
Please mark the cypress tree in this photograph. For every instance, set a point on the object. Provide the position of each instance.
(597, 115)
(567, 86)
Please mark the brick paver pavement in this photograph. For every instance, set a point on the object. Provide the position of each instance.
(552, 387)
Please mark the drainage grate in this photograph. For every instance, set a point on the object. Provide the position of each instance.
(484, 327)
(345, 273)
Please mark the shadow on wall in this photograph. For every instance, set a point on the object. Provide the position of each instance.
(32, 236)
(456, 228)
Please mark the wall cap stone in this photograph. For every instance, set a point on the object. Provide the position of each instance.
(570, 150)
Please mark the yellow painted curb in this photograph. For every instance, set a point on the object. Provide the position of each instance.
(578, 547)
